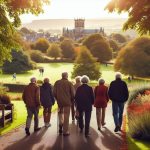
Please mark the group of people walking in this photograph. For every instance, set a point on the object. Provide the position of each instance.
(79, 98)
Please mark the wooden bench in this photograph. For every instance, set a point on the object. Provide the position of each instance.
(6, 114)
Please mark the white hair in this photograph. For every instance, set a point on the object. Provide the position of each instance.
(101, 81)
(33, 80)
(85, 79)
(118, 75)
(78, 79)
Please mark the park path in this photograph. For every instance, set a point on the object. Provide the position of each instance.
(48, 139)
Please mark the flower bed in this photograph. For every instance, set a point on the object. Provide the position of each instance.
(139, 113)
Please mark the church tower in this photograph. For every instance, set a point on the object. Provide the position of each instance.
(79, 25)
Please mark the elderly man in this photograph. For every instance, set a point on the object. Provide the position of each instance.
(64, 94)
(84, 99)
(118, 93)
(31, 99)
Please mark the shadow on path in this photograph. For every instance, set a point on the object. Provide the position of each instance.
(28, 142)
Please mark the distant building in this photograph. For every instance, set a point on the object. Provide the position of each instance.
(79, 30)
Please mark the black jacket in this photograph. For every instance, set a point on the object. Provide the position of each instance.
(46, 96)
(84, 98)
(118, 91)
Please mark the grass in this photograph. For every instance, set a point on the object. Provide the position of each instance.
(19, 116)
(53, 72)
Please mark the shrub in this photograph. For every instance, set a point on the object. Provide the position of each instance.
(20, 63)
(36, 56)
(139, 113)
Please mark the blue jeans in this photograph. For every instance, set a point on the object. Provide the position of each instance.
(118, 108)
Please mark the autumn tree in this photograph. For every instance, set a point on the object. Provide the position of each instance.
(41, 44)
(138, 12)
(118, 37)
(85, 64)
(10, 11)
(98, 47)
(113, 44)
(67, 49)
(54, 51)
(134, 58)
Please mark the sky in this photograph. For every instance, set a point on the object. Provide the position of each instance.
(71, 9)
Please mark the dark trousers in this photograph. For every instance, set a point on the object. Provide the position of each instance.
(72, 111)
(30, 113)
(87, 120)
(117, 112)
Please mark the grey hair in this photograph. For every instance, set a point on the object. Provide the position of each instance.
(46, 80)
(33, 80)
(101, 81)
(64, 75)
(78, 79)
(85, 79)
(118, 75)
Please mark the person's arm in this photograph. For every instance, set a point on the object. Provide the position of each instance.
(92, 95)
(52, 96)
(37, 96)
(23, 96)
(107, 97)
(110, 91)
(55, 90)
(72, 91)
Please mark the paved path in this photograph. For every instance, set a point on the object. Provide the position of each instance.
(48, 139)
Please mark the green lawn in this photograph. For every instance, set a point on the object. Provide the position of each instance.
(19, 116)
(53, 71)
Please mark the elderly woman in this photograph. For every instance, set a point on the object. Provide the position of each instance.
(47, 100)
(84, 99)
(101, 99)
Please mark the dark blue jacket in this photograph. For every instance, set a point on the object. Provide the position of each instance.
(46, 96)
(118, 91)
(84, 98)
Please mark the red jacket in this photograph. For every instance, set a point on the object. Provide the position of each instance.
(101, 96)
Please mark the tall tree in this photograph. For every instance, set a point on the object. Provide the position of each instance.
(54, 51)
(138, 11)
(10, 11)
(85, 64)
(134, 58)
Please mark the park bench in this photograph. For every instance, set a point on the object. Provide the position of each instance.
(6, 114)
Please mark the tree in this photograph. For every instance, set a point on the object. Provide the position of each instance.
(118, 37)
(20, 63)
(113, 44)
(41, 44)
(99, 47)
(54, 51)
(67, 49)
(134, 58)
(10, 11)
(85, 64)
(36, 56)
(138, 11)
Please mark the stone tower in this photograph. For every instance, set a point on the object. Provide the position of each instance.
(79, 25)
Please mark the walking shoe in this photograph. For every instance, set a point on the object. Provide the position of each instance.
(103, 123)
(87, 135)
(99, 128)
(60, 129)
(117, 129)
(27, 131)
(47, 125)
(37, 129)
(66, 134)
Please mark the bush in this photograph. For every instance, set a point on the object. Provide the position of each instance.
(4, 99)
(139, 113)
(20, 63)
(36, 56)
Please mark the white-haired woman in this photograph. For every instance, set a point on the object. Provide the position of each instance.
(84, 99)
(101, 99)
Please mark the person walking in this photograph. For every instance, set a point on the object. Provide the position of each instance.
(84, 99)
(64, 94)
(31, 98)
(76, 85)
(118, 93)
(101, 99)
(47, 100)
